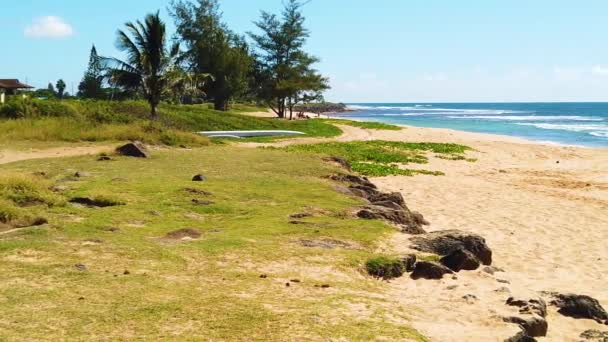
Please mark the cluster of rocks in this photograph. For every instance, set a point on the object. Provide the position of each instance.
(383, 206)
(532, 319)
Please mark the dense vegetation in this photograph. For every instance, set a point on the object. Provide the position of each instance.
(206, 61)
(90, 120)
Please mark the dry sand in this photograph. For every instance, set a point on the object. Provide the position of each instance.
(543, 210)
(10, 156)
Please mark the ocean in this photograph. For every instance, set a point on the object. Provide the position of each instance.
(582, 124)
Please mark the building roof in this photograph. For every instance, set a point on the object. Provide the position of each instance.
(13, 84)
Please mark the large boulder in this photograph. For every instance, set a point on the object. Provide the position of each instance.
(580, 306)
(135, 149)
(429, 270)
(446, 242)
(401, 217)
(532, 325)
(459, 260)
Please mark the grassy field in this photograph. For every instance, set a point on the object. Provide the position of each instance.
(105, 121)
(121, 272)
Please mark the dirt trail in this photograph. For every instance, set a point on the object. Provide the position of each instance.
(11, 156)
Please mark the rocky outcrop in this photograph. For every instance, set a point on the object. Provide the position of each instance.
(532, 325)
(135, 149)
(595, 335)
(580, 306)
(409, 262)
(521, 337)
(529, 306)
(459, 260)
(447, 242)
(342, 162)
(429, 270)
(401, 217)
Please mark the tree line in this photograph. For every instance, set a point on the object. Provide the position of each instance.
(205, 61)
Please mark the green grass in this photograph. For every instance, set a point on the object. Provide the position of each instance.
(380, 158)
(95, 121)
(365, 124)
(208, 288)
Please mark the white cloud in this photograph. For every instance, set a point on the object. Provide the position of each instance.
(49, 27)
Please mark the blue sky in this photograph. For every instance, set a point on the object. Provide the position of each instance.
(373, 51)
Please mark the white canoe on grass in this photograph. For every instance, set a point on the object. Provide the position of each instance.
(247, 134)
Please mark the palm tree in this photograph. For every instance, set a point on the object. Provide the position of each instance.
(148, 60)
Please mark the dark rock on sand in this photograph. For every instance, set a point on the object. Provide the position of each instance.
(595, 335)
(521, 337)
(532, 325)
(446, 242)
(199, 178)
(135, 149)
(580, 306)
(429, 270)
(409, 262)
(364, 191)
(420, 219)
(529, 306)
(340, 161)
(460, 260)
(353, 179)
(401, 217)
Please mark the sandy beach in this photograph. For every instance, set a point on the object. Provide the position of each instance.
(543, 210)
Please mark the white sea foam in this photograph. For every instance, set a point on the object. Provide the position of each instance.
(530, 118)
(599, 134)
(426, 110)
(594, 128)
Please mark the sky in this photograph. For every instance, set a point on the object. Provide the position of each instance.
(372, 51)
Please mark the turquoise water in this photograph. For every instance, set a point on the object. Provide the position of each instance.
(584, 124)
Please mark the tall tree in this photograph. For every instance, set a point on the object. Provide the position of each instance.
(284, 71)
(211, 48)
(60, 89)
(51, 89)
(148, 61)
(91, 86)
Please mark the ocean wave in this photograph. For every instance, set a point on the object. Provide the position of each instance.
(599, 134)
(531, 118)
(595, 128)
(427, 110)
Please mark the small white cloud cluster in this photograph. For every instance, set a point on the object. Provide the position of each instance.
(49, 27)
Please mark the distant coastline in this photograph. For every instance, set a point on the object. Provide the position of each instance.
(564, 124)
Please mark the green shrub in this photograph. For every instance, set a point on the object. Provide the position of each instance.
(385, 267)
(26, 191)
